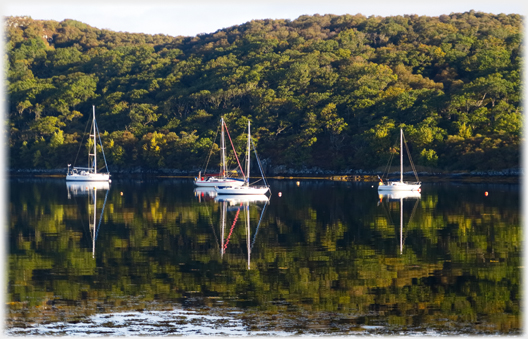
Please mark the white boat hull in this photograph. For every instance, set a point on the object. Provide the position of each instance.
(399, 186)
(245, 190)
(212, 182)
(88, 177)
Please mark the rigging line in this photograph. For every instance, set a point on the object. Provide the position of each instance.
(254, 182)
(258, 225)
(412, 214)
(232, 227)
(96, 129)
(211, 224)
(410, 159)
(389, 162)
(259, 164)
(414, 209)
(386, 209)
(101, 217)
(88, 213)
(210, 151)
(76, 203)
(80, 145)
(236, 156)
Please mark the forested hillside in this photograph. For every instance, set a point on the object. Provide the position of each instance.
(325, 91)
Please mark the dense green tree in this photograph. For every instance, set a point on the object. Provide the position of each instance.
(316, 89)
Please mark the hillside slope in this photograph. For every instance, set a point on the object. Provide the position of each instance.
(326, 91)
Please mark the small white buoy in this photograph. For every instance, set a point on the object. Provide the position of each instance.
(298, 183)
(280, 194)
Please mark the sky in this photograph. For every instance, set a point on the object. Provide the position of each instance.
(189, 18)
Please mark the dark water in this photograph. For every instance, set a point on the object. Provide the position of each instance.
(320, 257)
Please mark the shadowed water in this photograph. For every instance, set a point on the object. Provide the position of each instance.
(318, 257)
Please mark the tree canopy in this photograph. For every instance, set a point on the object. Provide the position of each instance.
(324, 90)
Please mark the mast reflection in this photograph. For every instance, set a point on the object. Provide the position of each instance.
(239, 202)
(400, 196)
(89, 189)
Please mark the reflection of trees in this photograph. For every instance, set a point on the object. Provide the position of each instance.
(460, 261)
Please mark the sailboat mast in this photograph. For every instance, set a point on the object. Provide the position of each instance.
(94, 142)
(248, 150)
(222, 146)
(401, 155)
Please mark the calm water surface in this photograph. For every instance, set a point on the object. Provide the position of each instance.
(318, 257)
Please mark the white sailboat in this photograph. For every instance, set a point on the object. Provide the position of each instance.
(221, 179)
(401, 185)
(245, 189)
(90, 173)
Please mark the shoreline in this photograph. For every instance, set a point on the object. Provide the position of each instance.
(506, 176)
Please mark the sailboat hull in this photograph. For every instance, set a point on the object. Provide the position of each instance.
(86, 176)
(212, 182)
(399, 186)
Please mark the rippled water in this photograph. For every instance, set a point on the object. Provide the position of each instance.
(318, 257)
(155, 323)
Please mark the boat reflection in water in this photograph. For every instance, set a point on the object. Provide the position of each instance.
(237, 203)
(400, 196)
(89, 189)
(205, 193)
(237, 199)
(78, 188)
